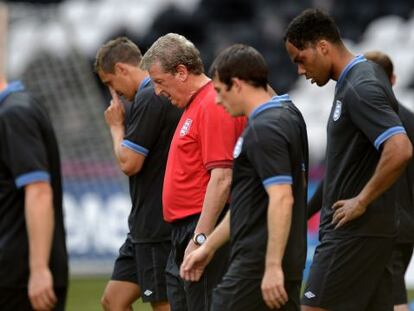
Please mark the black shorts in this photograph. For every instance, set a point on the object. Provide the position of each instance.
(401, 257)
(17, 299)
(245, 294)
(192, 296)
(144, 264)
(351, 274)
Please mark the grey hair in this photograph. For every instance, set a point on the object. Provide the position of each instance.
(172, 50)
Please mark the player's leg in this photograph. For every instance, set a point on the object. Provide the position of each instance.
(151, 261)
(120, 295)
(347, 273)
(402, 253)
(123, 289)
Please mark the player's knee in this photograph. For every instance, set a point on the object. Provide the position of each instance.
(160, 306)
(105, 302)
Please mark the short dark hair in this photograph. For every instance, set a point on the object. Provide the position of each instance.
(383, 60)
(119, 50)
(311, 26)
(243, 62)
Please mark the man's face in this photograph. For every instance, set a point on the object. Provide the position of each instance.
(170, 85)
(120, 82)
(311, 62)
(227, 97)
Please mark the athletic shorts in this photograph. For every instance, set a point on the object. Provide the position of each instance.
(351, 274)
(144, 265)
(192, 296)
(401, 257)
(245, 294)
(17, 299)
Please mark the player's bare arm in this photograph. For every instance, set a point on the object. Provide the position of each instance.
(194, 264)
(279, 218)
(217, 194)
(397, 151)
(39, 216)
(129, 161)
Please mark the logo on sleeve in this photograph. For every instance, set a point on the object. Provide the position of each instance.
(337, 111)
(186, 127)
(238, 147)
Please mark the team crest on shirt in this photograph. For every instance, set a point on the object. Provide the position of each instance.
(238, 147)
(337, 111)
(186, 127)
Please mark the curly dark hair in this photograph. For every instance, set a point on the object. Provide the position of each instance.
(311, 26)
(243, 62)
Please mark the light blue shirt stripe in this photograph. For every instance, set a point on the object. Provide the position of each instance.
(278, 180)
(387, 134)
(275, 102)
(12, 87)
(28, 178)
(134, 147)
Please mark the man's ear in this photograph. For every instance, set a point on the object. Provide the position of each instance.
(120, 68)
(324, 46)
(182, 72)
(237, 84)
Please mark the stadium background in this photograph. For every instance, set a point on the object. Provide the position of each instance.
(51, 45)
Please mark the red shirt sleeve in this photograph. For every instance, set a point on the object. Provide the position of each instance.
(218, 134)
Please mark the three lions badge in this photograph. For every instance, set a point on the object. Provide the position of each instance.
(337, 111)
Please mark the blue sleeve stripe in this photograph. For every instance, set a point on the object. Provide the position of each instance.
(387, 134)
(134, 147)
(278, 180)
(31, 177)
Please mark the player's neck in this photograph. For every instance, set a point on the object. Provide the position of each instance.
(139, 76)
(341, 59)
(255, 99)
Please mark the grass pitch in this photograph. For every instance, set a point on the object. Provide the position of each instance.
(85, 295)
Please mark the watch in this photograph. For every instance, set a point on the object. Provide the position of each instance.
(199, 238)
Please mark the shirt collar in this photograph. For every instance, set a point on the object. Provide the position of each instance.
(358, 59)
(275, 102)
(144, 83)
(12, 87)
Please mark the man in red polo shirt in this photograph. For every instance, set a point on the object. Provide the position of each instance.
(199, 167)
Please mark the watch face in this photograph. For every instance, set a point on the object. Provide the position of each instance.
(200, 238)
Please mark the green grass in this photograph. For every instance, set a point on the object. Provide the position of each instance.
(85, 294)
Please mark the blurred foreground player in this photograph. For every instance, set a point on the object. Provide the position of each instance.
(141, 141)
(33, 258)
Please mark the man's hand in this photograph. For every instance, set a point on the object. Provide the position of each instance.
(195, 262)
(273, 289)
(41, 293)
(347, 210)
(115, 113)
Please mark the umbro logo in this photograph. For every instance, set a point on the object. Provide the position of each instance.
(309, 295)
(148, 293)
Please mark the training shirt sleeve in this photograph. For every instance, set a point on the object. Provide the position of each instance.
(268, 151)
(144, 122)
(24, 148)
(218, 135)
(371, 111)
